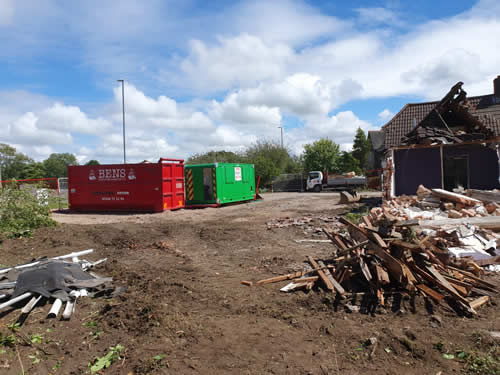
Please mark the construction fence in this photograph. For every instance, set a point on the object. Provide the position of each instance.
(288, 182)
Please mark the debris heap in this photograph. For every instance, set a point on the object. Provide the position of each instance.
(399, 248)
(60, 280)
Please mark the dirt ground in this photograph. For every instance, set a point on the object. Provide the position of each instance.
(185, 310)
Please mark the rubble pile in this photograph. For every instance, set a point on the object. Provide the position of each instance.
(399, 248)
(438, 204)
(60, 280)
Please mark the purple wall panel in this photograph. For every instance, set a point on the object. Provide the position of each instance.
(483, 164)
(415, 167)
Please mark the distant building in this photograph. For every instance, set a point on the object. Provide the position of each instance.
(443, 144)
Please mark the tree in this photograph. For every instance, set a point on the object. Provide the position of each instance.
(12, 163)
(215, 156)
(56, 165)
(33, 170)
(361, 147)
(92, 162)
(322, 155)
(348, 163)
(270, 160)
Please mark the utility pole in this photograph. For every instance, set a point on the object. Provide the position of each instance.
(123, 112)
(281, 129)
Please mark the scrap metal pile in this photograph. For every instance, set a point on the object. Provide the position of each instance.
(395, 250)
(54, 280)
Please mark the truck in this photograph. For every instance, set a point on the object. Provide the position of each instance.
(318, 181)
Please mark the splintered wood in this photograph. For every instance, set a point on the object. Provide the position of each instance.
(388, 252)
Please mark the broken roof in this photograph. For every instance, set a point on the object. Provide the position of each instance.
(485, 108)
(376, 138)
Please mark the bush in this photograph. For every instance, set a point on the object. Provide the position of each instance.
(21, 212)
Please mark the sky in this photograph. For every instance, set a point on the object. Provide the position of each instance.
(221, 75)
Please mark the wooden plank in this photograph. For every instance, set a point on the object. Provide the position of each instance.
(305, 279)
(382, 275)
(392, 264)
(276, 279)
(488, 261)
(330, 277)
(436, 278)
(488, 222)
(485, 196)
(479, 302)
(433, 272)
(365, 270)
(438, 297)
(459, 288)
(321, 273)
(476, 270)
(408, 275)
(374, 237)
(459, 282)
(473, 277)
(368, 223)
(354, 247)
(454, 197)
(380, 297)
(247, 283)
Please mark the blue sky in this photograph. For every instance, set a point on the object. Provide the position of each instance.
(223, 74)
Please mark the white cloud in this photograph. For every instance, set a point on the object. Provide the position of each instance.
(138, 103)
(26, 130)
(385, 115)
(71, 118)
(6, 12)
(284, 21)
(240, 60)
(378, 15)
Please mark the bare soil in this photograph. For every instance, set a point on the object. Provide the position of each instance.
(184, 301)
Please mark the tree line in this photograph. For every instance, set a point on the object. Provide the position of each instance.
(16, 165)
(269, 158)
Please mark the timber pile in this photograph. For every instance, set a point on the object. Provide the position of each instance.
(387, 253)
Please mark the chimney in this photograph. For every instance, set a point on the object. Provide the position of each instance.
(496, 87)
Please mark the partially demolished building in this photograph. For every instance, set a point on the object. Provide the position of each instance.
(446, 144)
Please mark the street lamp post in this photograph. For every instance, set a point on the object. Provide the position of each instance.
(281, 130)
(123, 113)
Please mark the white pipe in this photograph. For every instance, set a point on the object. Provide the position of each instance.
(68, 310)
(31, 304)
(76, 254)
(14, 300)
(54, 310)
(71, 305)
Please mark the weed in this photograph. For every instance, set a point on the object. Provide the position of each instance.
(439, 346)
(21, 212)
(36, 339)
(35, 359)
(107, 360)
(481, 364)
(14, 327)
(90, 324)
(353, 217)
(7, 340)
(57, 366)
